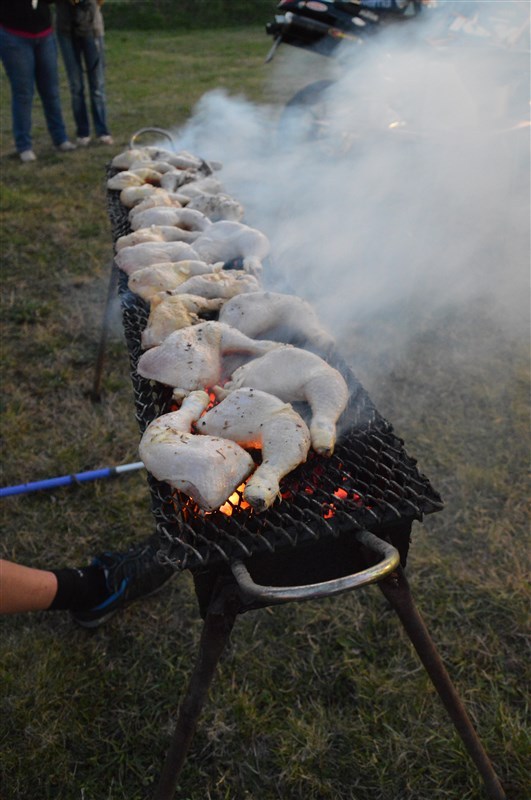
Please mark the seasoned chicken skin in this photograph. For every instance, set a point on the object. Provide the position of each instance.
(156, 233)
(170, 313)
(293, 374)
(129, 259)
(217, 206)
(206, 468)
(186, 218)
(226, 240)
(256, 419)
(190, 358)
(224, 284)
(149, 281)
(277, 316)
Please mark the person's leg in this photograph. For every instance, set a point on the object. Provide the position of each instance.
(91, 593)
(18, 60)
(24, 588)
(71, 52)
(47, 78)
(94, 56)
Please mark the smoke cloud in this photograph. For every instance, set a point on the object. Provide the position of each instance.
(416, 193)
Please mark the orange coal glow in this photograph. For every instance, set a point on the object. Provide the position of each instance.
(235, 500)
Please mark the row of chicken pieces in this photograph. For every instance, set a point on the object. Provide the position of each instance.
(190, 256)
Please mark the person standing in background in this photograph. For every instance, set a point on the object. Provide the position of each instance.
(79, 28)
(29, 54)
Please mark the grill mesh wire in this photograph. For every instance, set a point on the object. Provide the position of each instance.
(380, 484)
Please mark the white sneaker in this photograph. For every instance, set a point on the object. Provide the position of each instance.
(65, 147)
(106, 139)
(27, 155)
(83, 141)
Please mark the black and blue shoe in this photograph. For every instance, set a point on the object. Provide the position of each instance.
(128, 576)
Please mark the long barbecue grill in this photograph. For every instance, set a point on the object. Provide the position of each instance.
(341, 522)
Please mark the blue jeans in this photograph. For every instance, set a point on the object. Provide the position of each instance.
(30, 62)
(87, 49)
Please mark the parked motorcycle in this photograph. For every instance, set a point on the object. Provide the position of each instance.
(457, 28)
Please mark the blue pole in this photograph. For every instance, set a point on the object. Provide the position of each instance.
(69, 480)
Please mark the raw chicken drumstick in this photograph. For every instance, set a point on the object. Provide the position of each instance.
(206, 468)
(256, 419)
(190, 358)
(293, 374)
(276, 316)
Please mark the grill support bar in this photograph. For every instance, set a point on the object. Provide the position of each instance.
(228, 600)
(217, 627)
(396, 590)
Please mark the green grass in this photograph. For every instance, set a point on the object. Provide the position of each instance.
(316, 700)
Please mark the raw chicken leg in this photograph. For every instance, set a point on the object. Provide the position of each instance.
(186, 218)
(206, 468)
(191, 357)
(156, 233)
(225, 240)
(256, 419)
(149, 281)
(146, 253)
(217, 206)
(293, 374)
(277, 316)
(225, 284)
(170, 313)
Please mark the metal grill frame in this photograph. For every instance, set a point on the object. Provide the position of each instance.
(383, 484)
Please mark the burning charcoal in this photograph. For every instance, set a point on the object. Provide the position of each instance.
(206, 468)
(257, 419)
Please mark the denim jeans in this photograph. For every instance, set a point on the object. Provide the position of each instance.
(30, 62)
(87, 49)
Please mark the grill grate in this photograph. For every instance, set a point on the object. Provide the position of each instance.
(370, 481)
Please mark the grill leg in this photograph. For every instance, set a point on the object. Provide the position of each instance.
(397, 592)
(218, 624)
(95, 394)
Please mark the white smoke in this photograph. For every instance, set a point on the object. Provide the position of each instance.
(419, 193)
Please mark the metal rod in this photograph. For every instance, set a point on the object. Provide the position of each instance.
(217, 627)
(396, 590)
(69, 480)
(388, 554)
(153, 130)
(95, 394)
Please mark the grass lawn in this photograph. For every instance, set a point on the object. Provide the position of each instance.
(316, 701)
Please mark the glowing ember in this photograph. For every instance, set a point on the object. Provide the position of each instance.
(235, 500)
(341, 494)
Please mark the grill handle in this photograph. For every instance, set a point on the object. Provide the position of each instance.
(158, 131)
(390, 560)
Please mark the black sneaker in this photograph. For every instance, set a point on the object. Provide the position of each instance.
(130, 575)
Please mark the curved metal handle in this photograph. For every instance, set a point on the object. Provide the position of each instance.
(158, 131)
(390, 561)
